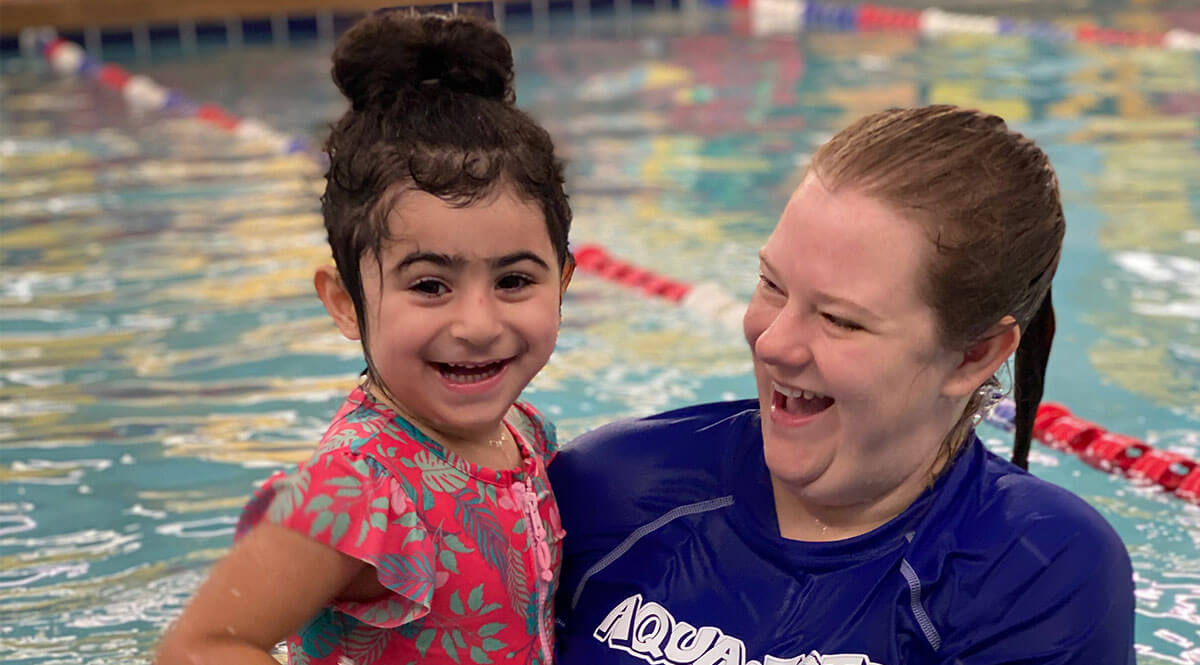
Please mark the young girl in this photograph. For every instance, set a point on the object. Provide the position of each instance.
(423, 528)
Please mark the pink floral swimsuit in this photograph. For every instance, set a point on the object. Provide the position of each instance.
(471, 555)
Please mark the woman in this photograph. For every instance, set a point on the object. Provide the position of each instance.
(851, 515)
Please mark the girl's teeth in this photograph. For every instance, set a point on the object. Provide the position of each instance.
(470, 373)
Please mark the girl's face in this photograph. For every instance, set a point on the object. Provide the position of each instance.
(462, 309)
(851, 375)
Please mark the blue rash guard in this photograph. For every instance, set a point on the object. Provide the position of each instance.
(673, 555)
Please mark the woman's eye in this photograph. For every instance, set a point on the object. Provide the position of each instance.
(844, 324)
(429, 287)
(513, 282)
(767, 283)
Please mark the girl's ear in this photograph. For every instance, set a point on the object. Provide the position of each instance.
(337, 300)
(567, 271)
(982, 358)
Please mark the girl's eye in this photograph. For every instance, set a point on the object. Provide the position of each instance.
(844, 324)
(513, 282)
(430, 287)
(770, 286)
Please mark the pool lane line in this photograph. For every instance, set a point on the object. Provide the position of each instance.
(144, 94)
(1055, 425)
(796, 15)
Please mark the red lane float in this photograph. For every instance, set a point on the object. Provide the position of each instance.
(1163, 468)
(217, 116)
(596, 260)
(112, 76)
(1124, 455)
(1114, 453)
(1116, 37)
(1068, 433)
(1189, 487)
(874, 17)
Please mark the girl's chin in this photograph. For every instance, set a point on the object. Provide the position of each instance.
(482, 427)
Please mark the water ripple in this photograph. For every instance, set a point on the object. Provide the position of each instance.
(163, 351)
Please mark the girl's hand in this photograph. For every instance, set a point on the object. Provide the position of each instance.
(271, 583)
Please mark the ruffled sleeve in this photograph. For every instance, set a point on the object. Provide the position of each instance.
(535, 428)
(352, 503)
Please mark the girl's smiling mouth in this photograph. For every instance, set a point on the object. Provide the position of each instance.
(471, 377)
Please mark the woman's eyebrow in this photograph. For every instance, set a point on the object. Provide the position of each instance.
(829, 298)
(854, 308)
(762, 258)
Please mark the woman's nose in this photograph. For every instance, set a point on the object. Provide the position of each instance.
(784, 341)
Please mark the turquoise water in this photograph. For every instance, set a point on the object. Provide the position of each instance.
(162, 350)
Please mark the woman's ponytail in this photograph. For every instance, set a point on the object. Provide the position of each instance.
(1033, 353)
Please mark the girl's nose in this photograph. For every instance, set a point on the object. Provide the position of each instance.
(477, 321)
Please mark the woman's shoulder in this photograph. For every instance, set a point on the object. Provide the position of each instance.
(668, 459)
(1028, 560)
(1024, 504)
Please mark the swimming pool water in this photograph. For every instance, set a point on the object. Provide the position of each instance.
(162, 350)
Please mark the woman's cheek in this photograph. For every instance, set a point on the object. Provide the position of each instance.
(755, 321)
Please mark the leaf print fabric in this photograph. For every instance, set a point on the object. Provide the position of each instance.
(451, 542)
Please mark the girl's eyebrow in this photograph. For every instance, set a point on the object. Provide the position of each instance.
(456, 261)
(441, 260)
(517, 257)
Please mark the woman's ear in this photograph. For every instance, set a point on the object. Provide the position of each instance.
(337, 300)
(982, 358)
(568, 270)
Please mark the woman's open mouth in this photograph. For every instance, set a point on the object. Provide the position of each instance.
(800, 404)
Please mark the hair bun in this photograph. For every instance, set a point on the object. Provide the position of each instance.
(392, 51)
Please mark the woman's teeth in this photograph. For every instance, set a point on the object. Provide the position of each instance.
(800, 402)
(470, 372)
(797, 394)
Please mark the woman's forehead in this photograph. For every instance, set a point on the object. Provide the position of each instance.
(848, 244)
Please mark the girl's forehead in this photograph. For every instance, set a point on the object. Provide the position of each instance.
(492, 226)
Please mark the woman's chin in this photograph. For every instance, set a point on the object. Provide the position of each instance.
(795, 471)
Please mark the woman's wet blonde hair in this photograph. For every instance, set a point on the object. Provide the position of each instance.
(988, 199)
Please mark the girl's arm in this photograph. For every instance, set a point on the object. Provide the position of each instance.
(271, 583)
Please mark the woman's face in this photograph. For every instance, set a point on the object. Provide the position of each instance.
(849, 367)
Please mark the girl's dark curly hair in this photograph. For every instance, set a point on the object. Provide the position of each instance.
(432, 108)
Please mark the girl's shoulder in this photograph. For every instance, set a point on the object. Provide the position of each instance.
(535, 428)
(364, 425)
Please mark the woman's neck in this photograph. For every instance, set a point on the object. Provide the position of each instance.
(802, 519)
